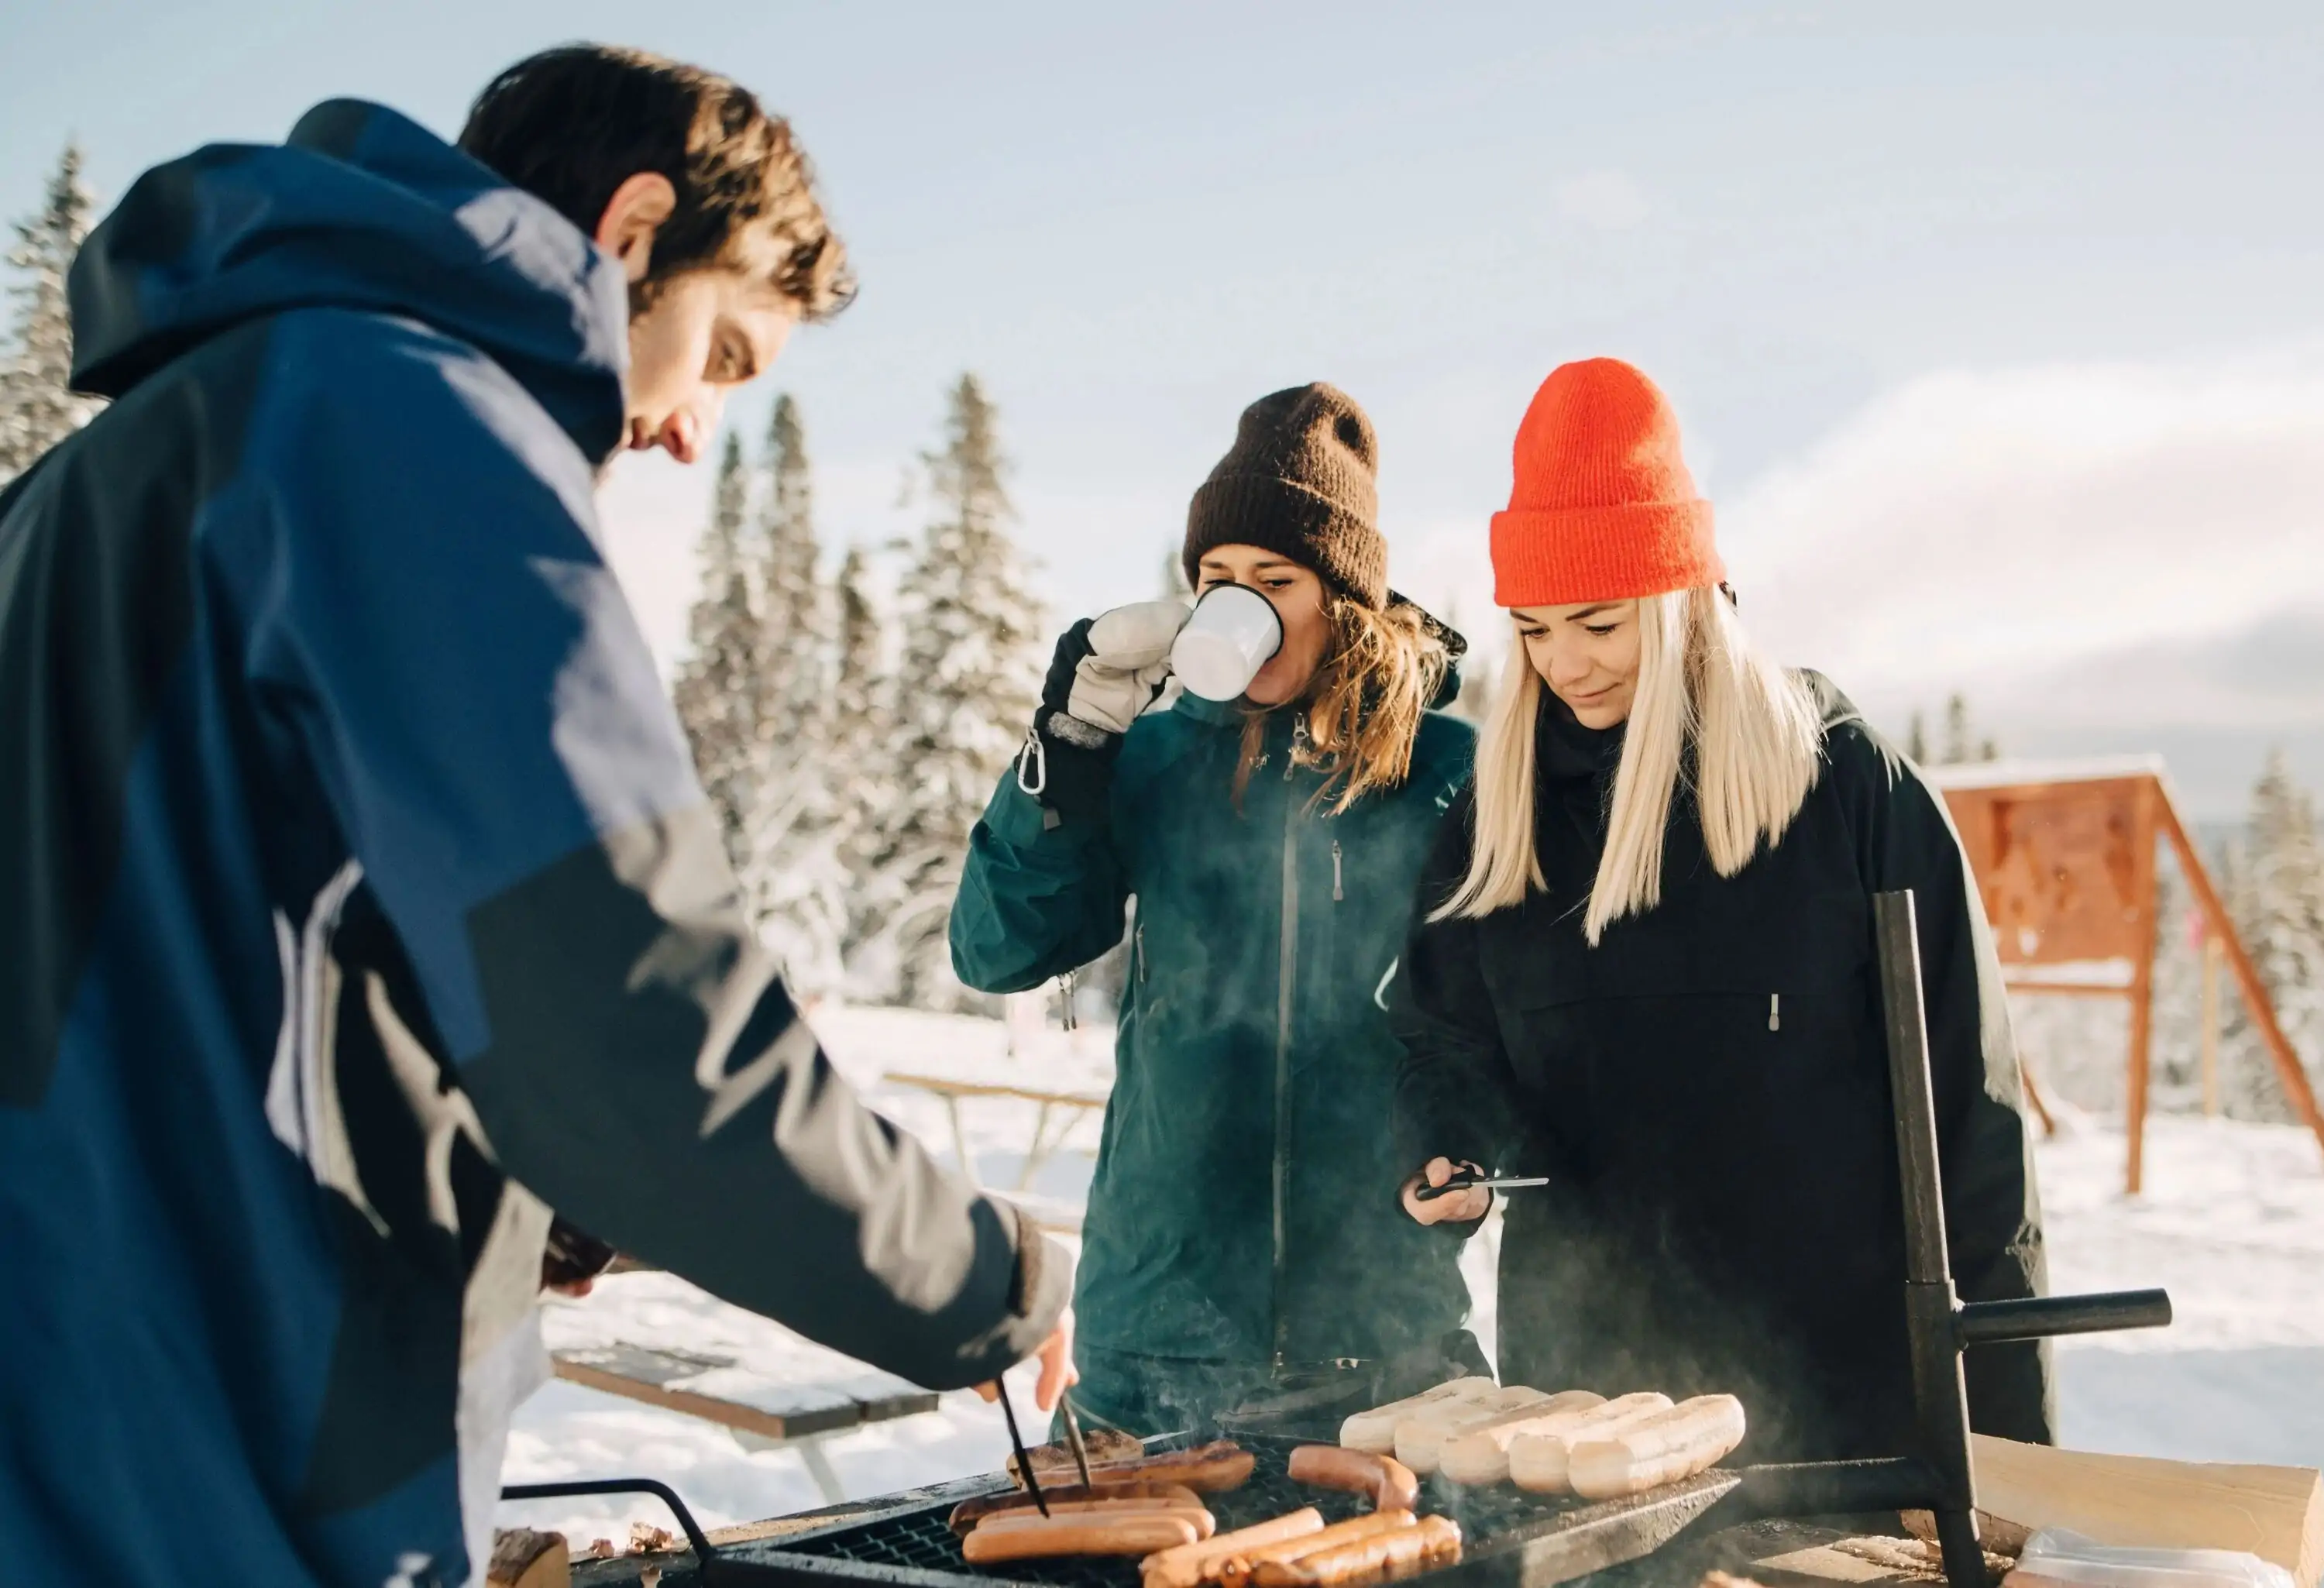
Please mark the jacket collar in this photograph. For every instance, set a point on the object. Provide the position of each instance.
(1566, 752)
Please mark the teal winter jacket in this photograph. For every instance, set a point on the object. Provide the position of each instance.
(1245, 1202)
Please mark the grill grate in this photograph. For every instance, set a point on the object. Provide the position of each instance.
(918, 1545)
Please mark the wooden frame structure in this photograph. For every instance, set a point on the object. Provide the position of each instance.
(2064, 855)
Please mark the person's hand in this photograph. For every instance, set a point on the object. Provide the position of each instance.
(1459, 1208)
(1059, 1373)
(1122, 662)
(1106, 671)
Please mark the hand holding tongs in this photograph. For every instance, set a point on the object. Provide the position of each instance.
(1474, 1180)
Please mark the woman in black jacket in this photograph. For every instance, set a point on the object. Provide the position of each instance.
(1644, 967)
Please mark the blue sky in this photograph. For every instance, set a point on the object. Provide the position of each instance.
(2000, 346)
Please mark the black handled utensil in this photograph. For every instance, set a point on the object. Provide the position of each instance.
(1016, 1442)
(1465, 1181)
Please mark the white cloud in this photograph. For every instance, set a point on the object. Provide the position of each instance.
(2076, 545)
(1607, 201)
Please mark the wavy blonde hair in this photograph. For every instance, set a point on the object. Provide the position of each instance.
(1364, 704)
(1754, 730)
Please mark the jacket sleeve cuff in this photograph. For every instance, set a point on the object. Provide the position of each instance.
(1044, 1280)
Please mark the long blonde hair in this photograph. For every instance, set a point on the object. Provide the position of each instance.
(1757, 738)
(1364, 704)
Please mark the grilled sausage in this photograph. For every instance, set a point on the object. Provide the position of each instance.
(1673, 1445)
(969, 1512)
(1190, 1565)
(1135, 1534)
(1389, 1482)
(1236, 1571)
(1432, 1541)
(1375, 1430)
(1055, 1460)
(1540, 1462)
(1207, 1469)
(1205, 1524)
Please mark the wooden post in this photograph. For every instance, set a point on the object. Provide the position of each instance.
(2288, 1069)
(2210, 1024)
(2033, 1096)
(2141, 980)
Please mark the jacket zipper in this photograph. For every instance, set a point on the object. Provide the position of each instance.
(1286, 989)
(1339, 890)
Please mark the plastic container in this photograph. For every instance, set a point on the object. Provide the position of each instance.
(2056, 1555)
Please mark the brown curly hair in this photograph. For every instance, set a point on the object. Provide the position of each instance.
(570, 124)
(1364, 704)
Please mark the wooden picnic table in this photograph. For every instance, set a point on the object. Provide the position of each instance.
(1068, 1106)
(762, 1414)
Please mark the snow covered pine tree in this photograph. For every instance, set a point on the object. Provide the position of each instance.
(862, 750)
(972, 654)
(2275, 892)
(37, 405)
(717, 690)
(796, 875)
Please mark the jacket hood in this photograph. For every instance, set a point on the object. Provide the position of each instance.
(363, 208)
(1456, 650)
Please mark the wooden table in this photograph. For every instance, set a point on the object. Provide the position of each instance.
(1067, 1107)
(762, 1414)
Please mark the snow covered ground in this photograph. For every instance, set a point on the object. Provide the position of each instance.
(2232, 1223)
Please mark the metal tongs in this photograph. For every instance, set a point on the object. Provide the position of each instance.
(1471, 1180)
(1024, 1457)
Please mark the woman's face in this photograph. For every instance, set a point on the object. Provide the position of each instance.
(1298, 595)
(1588, 655)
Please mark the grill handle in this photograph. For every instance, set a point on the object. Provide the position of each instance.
(2042, 1317)
(695, 1537)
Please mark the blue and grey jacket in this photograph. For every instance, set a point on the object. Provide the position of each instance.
(358, 903)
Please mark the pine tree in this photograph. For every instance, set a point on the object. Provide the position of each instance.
(972, 667)
(1916, 741)
(38, 408)
(863, 772)
(1957, 735)
(2277, 898)
(718, 692)
(798, 877)
(1174, 575)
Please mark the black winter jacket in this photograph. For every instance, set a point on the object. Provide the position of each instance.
(1709, 1089)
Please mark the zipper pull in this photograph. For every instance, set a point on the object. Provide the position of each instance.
(1069, 986)
(1299, 741)
(1775, 1011)
(1338, 891)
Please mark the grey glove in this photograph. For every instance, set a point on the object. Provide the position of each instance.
(1106, 671)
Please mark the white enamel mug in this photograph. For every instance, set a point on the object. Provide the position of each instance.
(1233, 632)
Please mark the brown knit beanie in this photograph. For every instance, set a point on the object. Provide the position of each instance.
(1299, 482)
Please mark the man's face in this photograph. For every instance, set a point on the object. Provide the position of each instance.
(707, 332)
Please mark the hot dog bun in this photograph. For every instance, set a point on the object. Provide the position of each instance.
(1420, 1438)
(1375, 1430)
(1481, 1454)
(1673, 1445)
(1539, 1461)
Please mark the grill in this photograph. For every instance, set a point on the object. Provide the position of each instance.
(1508, 1537)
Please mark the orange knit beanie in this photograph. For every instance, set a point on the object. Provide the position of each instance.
(1602, 508)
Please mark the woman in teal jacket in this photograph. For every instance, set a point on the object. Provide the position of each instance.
(1243, 1238)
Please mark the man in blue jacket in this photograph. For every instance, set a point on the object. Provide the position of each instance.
(358, 904)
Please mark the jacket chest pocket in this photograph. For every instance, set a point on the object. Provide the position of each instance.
(1702, 995)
